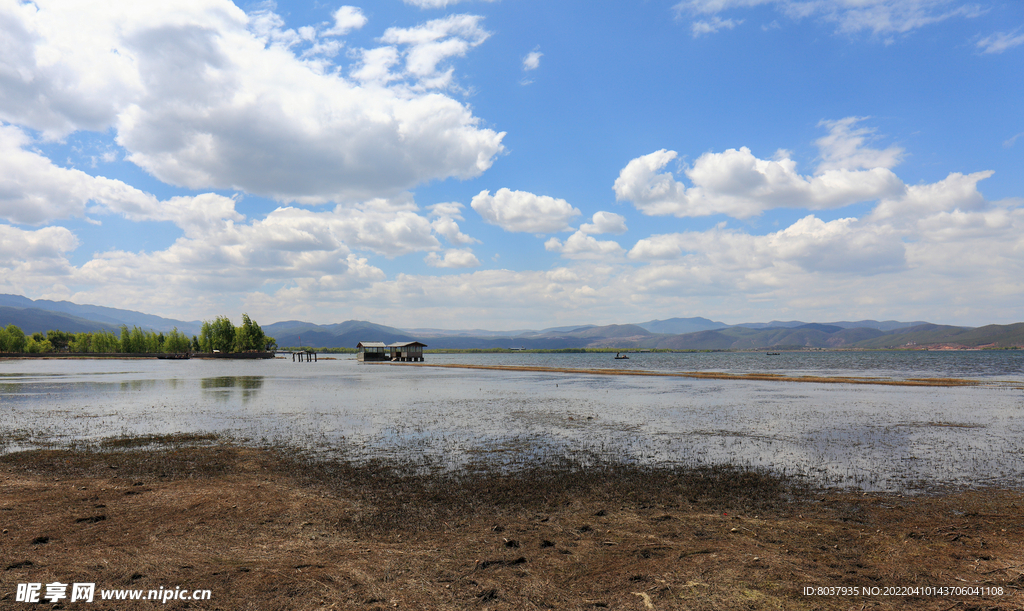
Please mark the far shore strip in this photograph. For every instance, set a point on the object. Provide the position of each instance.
(716, 375)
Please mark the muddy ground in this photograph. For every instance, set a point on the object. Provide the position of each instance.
(262, 529)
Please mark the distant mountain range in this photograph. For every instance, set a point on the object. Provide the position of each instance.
(674, 333)
(109, 318)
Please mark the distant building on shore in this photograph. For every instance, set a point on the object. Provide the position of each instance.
(372, 351)
(398, 351)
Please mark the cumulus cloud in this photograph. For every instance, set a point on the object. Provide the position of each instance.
(1001, 41)
(35, 261)
(221, 252)
(946, 253)
(605, 222)
(582, 246)
(199, 92)
(34, 191)
(429, 45)
(521, 211)
(879, 17)
(346, 19)
(313, 252)
(444, 223)
(453, 258)
(738, 184)
(839, 246)
(938, 247)
(955, 192)
(45, 243)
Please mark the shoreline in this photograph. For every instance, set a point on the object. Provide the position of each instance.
(265, 529)
(714, 375)
(133, 355)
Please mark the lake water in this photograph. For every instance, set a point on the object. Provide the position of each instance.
(875, 437)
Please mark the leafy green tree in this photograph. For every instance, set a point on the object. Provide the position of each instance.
(61, 340)
(176, 342)
(126, 340)
(38, 345)
(12, 339)
(249, 336)
(105, 342)
(139, 340)
(195, 344)
(223, 339)
(82, 342)
(206, 337)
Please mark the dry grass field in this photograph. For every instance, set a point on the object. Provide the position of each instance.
(262, 529)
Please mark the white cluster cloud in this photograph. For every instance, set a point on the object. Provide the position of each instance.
(582, 244)
(306, 250)
(914, 235)
(879, 17)
(426, 48)
(35, 261)
(605, 222)
(453, 258)
(199, 92)
(955, 192)
(839, 246)
(931, 249)
(521, 211)
(346, 19)
(46, 243)
(34, 191)
(444, 223)
(740, 185)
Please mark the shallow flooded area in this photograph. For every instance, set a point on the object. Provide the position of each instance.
(881, 438)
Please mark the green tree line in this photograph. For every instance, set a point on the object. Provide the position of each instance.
(217, 336)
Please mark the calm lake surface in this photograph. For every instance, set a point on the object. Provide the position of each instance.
(874, 437)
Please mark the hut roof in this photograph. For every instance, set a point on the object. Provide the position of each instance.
(406, 344)
(371, 345)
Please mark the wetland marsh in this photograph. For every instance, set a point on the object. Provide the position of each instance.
(873, 437)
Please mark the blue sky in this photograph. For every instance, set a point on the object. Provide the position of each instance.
(516, 164)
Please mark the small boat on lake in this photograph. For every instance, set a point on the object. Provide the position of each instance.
(621, 356)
